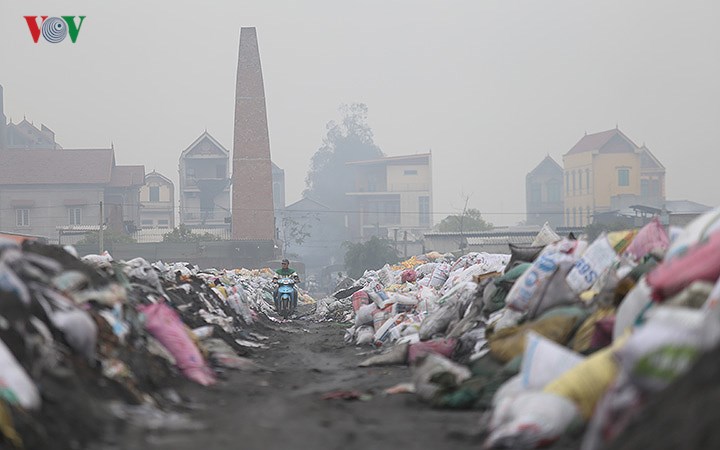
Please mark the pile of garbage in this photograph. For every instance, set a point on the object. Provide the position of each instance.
(565, 338)
(87, 343)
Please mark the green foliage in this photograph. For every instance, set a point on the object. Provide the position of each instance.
(372, 254)
(109, 238)
(470, 221)
(329, 176)
(184, 234)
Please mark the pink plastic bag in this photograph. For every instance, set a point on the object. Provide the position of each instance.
(700, 263)
(165, 326)
(650, 237)
(444, 347)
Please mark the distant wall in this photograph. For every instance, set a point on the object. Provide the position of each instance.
(217, 254)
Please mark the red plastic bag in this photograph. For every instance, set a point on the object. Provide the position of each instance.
(700, 263)
(359, 298)
(650, 237)
(408, 276)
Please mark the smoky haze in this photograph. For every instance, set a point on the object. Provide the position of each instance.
(490, 87)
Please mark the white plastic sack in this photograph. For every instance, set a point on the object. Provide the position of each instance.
(532, 279)
(530, 420)
(663, 349)
(546, 236)
(631, 307)
(544, 360)
(592, 264)
(364, 315)
(15, 384)
(696, 230)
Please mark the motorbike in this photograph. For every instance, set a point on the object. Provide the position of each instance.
(286, 297)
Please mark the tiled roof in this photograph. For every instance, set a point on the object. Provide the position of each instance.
(598, 141)
(28, 166)
(126, 176)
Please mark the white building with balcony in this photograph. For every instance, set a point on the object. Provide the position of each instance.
(392, 196)
(205, 184)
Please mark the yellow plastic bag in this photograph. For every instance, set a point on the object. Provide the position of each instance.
(620, 240)
(584, 334)
(7, 428)
(508, 343)
(586, 383)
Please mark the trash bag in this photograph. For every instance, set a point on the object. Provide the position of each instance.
(165, 325)
(530, 420)
(700, 263)
(16, 386)
(435, 373)
(598, 258)
(543, 361)
(545, 236)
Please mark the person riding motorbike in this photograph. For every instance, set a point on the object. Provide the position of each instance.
(285, 272)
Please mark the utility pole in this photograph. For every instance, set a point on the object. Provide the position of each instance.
(102, 223)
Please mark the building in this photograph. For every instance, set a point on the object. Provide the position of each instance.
(544, 194)
(63, 188)
(607, 171)
(392, 195)
(157, 202)
(47, 190)
(205, 184)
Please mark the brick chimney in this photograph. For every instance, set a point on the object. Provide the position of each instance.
(252, 198)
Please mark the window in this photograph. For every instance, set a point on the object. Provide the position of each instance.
(589, 217)
(75, 215)
(220, 171)
(574, 217)
(410, 172)
(567, 183)
(623, 177)
(567, 217)
(580, 181)
(587, 180)
(154, 193)
(22, 217)
(554, 188)
(424, 210)
(535, 194)
(163, 222)
(574, 185)
(146, 222)
(644, 187)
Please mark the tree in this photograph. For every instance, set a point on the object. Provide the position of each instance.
(184, 234)
(372, 254)
(109, 238)
(329, 177)
(471, 220)
(296, 231)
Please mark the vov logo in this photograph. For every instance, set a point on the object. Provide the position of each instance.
(54, 29)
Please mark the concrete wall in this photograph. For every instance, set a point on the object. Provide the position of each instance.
(217, 254)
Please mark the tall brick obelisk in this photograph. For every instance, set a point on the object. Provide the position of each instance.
(252, 200)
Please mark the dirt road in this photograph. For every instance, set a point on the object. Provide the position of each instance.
(282, 408)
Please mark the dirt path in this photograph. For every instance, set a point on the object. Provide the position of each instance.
(282, 408)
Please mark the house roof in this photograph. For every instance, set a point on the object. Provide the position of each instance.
(420, 158)
(127, 176)
(609, 141)
(648, 160)
(685, 207)
(306, 204)
(155, 174)
(49, 166)
(205, 136)
(547, 163)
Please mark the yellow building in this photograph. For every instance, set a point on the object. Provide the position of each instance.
(607, 171)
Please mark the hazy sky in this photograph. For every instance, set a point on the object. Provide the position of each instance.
(490, 86)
